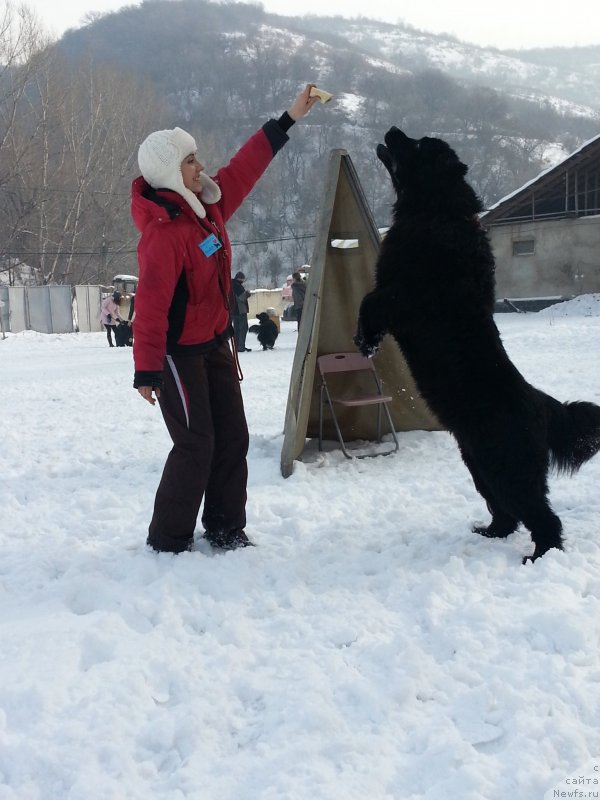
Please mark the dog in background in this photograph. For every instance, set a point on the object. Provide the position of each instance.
(434, 292)
(266, 330)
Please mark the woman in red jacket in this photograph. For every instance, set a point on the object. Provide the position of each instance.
(182, 328)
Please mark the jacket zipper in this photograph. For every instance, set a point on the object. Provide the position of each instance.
(225, 258)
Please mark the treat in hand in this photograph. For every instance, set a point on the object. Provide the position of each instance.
(323, 96)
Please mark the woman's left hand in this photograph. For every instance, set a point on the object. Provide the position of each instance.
(303, 103)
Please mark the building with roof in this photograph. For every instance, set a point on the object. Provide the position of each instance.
(546, 235)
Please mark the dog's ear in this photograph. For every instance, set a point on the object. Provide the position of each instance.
(449, 162)
(441, 157)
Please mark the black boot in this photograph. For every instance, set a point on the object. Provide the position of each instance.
(228, 540)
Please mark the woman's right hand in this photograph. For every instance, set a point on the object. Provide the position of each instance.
(146, 392)
(303, 103)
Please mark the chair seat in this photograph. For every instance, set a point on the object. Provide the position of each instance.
(366, 400)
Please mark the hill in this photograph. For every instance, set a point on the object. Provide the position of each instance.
(220, 70)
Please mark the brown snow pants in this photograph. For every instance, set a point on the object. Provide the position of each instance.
(203, 410)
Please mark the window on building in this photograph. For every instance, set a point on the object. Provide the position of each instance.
(523, 247)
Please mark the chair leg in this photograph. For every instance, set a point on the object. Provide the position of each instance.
(321, 419)
(379, 384)
(335, 422)
(392, 431)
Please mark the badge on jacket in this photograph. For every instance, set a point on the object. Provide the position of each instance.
(210, 245)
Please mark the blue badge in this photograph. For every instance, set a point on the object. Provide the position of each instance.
(210, 245)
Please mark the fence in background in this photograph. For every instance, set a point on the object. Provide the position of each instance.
(50, 309)
(3, 310)
(64, 309)
(261, 299)
(87, 308)
(47, 309)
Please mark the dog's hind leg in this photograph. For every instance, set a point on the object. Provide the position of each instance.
(501, 526)
(545, 528)
(525, 496)
(503, 523)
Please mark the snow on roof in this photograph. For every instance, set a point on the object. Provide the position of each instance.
(541, 175)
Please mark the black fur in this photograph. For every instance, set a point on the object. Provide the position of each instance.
(266, 330)
(434, 293)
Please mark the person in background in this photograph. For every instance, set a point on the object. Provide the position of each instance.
(238, 305)
(182, 328)
(274, 316)
(124, 331)
(109, 314)
(298, 293)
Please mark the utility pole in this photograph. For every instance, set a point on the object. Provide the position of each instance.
(2, 319)
(104, 252)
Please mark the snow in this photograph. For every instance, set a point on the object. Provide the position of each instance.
(350, 102)
(369, 647)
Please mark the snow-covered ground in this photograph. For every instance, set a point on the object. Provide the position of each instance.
(369, 648)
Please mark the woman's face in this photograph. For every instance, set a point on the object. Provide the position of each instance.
(190, 170)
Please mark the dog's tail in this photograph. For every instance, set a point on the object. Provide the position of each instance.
(573, 434)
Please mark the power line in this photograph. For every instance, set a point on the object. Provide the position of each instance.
(50, 190)
(73, 253)
(66, 253)
(281, 239)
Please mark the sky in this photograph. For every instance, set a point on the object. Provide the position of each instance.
(370, 647)
(510, 24)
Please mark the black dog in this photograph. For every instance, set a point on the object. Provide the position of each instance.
(266, 330)
(435, 294)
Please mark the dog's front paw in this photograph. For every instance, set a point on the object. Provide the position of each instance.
(368, 346)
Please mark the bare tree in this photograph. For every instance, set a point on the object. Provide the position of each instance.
(101, 116)
(70, 189)
(23, 54)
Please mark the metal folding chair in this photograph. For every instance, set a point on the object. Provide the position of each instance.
(352, 362)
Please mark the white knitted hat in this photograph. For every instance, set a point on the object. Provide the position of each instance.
(159, 158)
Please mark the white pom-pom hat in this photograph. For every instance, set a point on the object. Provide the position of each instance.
(159, 158)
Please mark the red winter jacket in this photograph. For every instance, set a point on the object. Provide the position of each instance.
(181, 302)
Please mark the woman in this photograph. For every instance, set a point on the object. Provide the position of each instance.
(182, 328)
(298, 294)
(110, 316)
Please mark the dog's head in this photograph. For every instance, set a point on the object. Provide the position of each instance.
(426, 172)
(262, 317)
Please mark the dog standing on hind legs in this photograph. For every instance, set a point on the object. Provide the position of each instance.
(434, 293)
